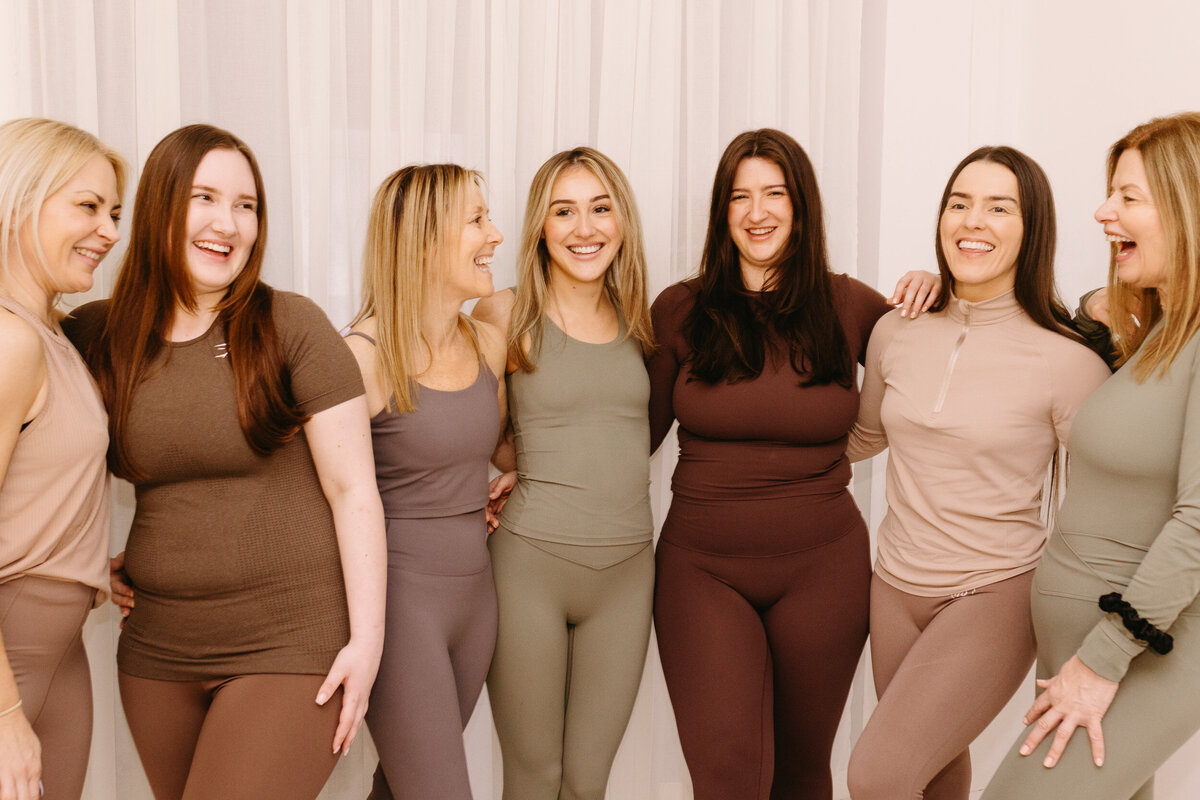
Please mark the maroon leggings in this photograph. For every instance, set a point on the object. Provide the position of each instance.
(42, 621)
(759, 653)
(248, 737)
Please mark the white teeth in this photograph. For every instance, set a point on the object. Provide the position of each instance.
(223, 249)
(584, 250)
(981, 246)
(83, 251)
(1112, 237)
(483, 261)
(760, 231)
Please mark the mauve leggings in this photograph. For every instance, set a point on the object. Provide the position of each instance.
(944, 668)
(42, 622)
(759, 650)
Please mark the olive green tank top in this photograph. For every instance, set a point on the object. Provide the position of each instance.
(583, 443)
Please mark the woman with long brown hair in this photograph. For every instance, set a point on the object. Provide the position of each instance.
(256, 550)
(60, 201)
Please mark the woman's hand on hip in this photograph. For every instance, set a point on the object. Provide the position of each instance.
(1075, 697)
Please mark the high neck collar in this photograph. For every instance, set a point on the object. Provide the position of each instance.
(985, 312)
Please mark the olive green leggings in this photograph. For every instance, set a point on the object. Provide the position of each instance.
(570, 649)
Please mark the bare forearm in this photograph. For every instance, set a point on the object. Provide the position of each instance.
(358, 520)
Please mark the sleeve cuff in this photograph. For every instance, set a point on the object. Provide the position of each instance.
(1108, 649)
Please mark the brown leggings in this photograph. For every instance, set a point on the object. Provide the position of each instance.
(944, 668)
(248, 737)
(42, 622)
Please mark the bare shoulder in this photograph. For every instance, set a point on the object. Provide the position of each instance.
(496, 310)
(493, 343)
(23, 368)
(363, 350)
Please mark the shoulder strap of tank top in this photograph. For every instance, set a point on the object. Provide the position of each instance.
(363, 335)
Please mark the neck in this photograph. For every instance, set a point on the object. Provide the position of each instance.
(439, 321)
(576, 297)
(754, 278)
(20, 286)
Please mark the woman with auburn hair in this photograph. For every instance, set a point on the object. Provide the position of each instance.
(60, 202)
(436, 407)
(256, 550)
(572, 557)
(763, 573)
(1119, 574)
(974, 400)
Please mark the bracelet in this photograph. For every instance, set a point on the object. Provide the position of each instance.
(10, 709)
(1142, 630)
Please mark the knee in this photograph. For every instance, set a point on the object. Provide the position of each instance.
(870, 779)
(525, 777)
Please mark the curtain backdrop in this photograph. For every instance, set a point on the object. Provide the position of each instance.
(335, 94)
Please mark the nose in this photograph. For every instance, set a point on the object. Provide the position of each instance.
(758, 210)
(108, 230)
(585, 225)
(494, 235)
(976, 216)
(222, 221)
(1107, 210)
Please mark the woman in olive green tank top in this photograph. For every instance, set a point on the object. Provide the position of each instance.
(571, 555)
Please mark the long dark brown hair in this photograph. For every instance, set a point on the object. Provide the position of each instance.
(154, 281)
(727, 328)
(1033, 286)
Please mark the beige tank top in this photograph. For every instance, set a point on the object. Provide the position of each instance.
(54, 502)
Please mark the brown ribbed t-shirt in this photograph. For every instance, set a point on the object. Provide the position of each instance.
(232, 555)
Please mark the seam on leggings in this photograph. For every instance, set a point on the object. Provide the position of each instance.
(485, 568)
(58, 666)
(847, 532)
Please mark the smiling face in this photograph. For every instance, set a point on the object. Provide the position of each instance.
(77, 226)
(222, 223)
(981, 230)
(1132, 224)
(760, 216)
(582, 232)
(469, 274)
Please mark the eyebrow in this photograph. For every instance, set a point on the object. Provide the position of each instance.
(213, 190)
(772, 186)
(1128, 186)
(572, 202)
(992, 198)
(101, 198)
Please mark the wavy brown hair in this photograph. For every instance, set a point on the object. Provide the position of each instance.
(727, 329)
(154, 283)
(1033, 286)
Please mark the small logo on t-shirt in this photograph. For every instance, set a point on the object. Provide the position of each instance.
(222, 350)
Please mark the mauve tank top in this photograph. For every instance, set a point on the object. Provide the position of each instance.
(433, 461)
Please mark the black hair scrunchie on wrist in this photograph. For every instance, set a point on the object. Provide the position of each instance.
(1142, 630)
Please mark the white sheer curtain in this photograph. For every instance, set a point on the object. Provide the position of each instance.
(335, 94)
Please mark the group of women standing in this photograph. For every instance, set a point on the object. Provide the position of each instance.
(311, 510)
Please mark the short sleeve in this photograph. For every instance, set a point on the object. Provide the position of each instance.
(322, 369)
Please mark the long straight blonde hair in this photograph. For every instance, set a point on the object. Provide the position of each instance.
(625, 280)
(416, 217)
(1170, 148)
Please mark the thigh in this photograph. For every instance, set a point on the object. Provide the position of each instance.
(414, 714)
(164, 718)
(962, 670)
(717, 667)
(474, 640)
(608, 653)
(527, 683)
(42, 622)
(816, 632)
(265, 738)
(1155, 711)
(895, 627)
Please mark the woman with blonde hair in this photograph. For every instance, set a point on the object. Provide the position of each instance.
(60, 201)
(436, 405)
(256, 549)
(1121, 572)
(572, 558)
